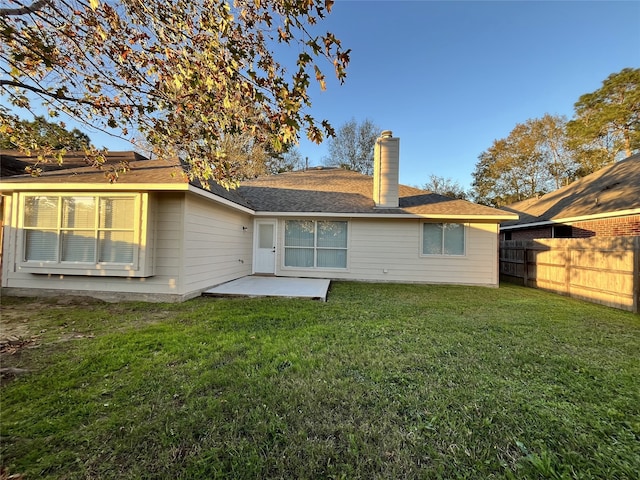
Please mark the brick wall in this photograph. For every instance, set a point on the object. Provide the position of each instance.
(528, 234)
(605, 227)
(608, 227)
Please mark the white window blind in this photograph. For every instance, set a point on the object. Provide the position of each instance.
(315, 244)
(79, 229)
(41, 228)
(299, 243)
(116, 233)
(443, 239)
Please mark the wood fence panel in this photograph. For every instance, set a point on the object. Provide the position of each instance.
(601, 270)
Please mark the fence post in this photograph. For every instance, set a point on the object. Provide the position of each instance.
(636, 274)
(525, 267)
(567, 267)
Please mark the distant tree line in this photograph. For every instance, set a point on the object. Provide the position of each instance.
(53, 140)
(544, 154)
(40, 131)
(538, 156)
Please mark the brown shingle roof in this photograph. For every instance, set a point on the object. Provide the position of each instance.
(324, 190)
(13, 162)
(142, 172)
(344, 191)
(611, 189)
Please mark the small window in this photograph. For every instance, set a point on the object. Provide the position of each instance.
(315, 244)
(443, 239)
(562, 231)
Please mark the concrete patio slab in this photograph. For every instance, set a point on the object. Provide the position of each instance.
(255, 286)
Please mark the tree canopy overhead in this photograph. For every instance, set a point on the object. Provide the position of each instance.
(183, 73)
(255, 159)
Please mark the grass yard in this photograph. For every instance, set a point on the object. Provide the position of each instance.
(382, 381)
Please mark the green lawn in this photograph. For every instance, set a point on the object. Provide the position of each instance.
(382, 381)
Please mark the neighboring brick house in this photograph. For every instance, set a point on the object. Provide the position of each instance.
(603, 204)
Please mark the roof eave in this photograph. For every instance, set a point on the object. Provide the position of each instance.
(216, 198)
(432, 216)
(582, 218)
(85, 187)
(8, 187)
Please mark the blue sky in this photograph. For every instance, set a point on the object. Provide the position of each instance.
(450, 77)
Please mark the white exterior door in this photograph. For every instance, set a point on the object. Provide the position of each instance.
(265, 247)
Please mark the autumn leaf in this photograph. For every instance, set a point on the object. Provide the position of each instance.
(186, 75)
(320, 78)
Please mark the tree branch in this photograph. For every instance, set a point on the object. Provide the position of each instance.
(44, 93)
(16, 12)
(56, 96)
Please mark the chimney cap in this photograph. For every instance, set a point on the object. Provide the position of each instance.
(386, 134)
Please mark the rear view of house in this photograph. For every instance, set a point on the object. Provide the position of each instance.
(154, 236)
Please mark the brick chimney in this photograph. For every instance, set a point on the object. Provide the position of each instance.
(386, 167)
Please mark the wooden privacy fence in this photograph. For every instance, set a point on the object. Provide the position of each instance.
(601, 269)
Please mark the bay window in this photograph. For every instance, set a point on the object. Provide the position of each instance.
(88, 232)
(315, 244)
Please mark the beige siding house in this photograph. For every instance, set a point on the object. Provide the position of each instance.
(389, 251)
(153, 236)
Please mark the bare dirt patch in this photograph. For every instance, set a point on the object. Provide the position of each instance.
(23, 326)
(15, 331)
(17, 327)
(28, 324)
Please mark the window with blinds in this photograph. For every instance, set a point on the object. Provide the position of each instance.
(315, 244)
(82, 229)
(443, 239)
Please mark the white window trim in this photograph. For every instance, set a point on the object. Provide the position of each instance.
(315, 246)
(141, 266)
(443, 255)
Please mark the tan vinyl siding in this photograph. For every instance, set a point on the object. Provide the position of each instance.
(395, 246)
(169, 242)
(217, 249)
(195, 243)
(164, 245)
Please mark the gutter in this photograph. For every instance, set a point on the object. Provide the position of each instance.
(582, 218)
(7, 187)
(437, 216)
(94, 187)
